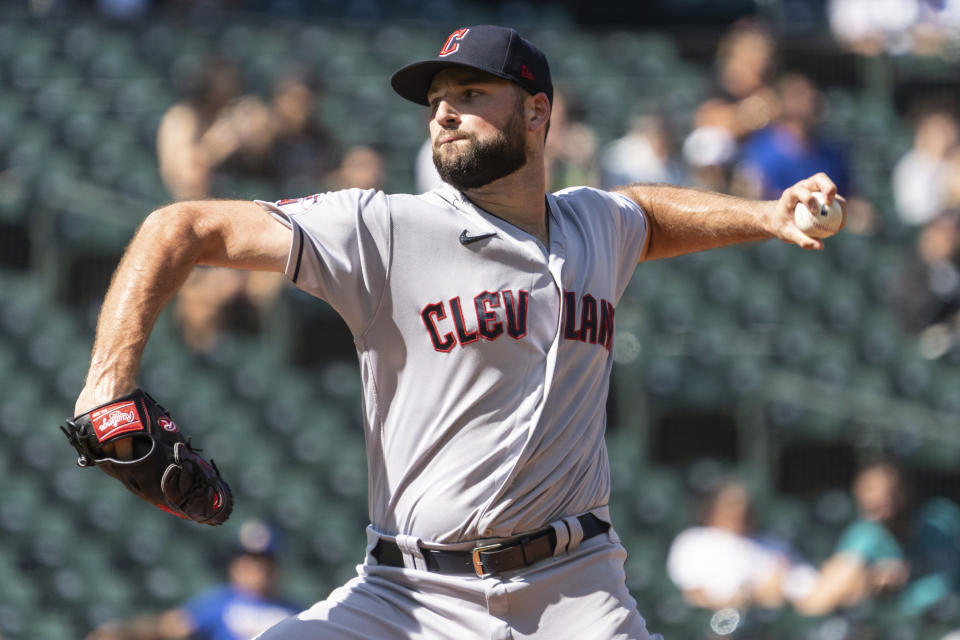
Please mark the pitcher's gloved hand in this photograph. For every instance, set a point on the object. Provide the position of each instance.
(161, 468)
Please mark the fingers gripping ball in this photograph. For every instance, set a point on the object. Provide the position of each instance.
(822, 223)
(135, 440)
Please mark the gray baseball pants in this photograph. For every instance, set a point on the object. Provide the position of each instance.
(580, 594)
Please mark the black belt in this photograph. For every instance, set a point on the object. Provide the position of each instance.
(490, 559)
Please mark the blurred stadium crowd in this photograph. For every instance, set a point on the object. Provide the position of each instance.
(754, 380)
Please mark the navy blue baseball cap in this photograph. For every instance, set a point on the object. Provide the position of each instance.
(499, 51)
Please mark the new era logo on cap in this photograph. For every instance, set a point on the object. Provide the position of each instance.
(499, 51)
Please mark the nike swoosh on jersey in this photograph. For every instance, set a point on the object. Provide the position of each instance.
(465, 239)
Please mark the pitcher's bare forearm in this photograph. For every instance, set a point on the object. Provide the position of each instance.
(684, 220)
(169, 243)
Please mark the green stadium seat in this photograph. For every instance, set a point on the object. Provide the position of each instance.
(678, 306)
(82, 40)
(106, 161)
(24, 393)
(53, 625)
(782, 516)
(339, 536)
(58, 98)
(885, 267)
(746, 375)
(761, 303)
(944, 393)
(842, 307)
(114, 61)
(913, 375)
(851, 252)
(836, 359)
(28, 154)
(724, 279)
(872, 378)
(804, 281)
(159, 43)
(795, 344)
(657, 499)
(20, 506)
(663, 375)
(347, 475)
(29, 66)
(879, 339)
(304, 585)
(80, 130)
(771, 256)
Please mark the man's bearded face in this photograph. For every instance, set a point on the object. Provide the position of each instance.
(474, 163)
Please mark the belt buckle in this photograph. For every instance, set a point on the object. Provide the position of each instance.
(477, 562)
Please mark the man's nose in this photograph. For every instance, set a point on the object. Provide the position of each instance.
(446, 116)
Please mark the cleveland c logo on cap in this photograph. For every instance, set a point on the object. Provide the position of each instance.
(452, 45)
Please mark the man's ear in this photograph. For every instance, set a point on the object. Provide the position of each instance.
(537, 111)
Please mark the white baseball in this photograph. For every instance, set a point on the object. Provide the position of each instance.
(822, 224)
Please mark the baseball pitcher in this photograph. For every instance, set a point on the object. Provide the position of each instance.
(484, 315)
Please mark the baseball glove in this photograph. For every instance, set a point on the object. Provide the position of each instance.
(162, 469)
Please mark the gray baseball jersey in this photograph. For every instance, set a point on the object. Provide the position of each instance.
(485, 356)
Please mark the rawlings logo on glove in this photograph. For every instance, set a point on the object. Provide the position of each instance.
(163, 468)
(114, 419)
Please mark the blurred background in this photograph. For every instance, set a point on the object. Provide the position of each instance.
(781, 370)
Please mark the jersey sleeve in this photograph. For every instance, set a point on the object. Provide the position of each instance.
(634, 230)
(340, 250)
(623, 230)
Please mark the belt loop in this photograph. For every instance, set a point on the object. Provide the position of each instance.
(576, 532)
(563, 536)
(373, 537)
(412, 554)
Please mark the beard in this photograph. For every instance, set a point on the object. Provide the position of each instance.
(483, 162)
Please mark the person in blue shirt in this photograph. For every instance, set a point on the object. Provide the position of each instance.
(792, 144)
(237, 610)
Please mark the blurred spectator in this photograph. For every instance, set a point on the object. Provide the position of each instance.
(643, 155)
(571, 151)
(213, 122)
(872, 27)
(361, 168)
(740, 103)
(926, 177)
(238, 610)
(213, 300)
(928, 290)
(890, 548)
(302, 151)
(869, 557)
(792, 147)
(217, 132)
(126, 10)
(725, 563)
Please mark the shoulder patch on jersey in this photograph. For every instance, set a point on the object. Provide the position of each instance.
(304, 203)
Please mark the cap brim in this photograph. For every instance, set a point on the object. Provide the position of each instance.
(413, 81)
